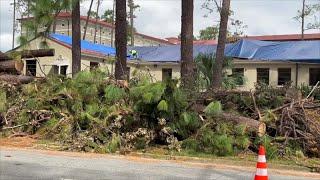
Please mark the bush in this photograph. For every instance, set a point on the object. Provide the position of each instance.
(214, 108)
(114, 94)
(114, 144)
(219, 139)
(186, 125)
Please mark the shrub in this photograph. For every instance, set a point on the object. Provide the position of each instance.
(214, 108)
(114, 144)
(114, 94)
(187, 124)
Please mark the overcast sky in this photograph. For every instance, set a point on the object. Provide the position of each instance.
(161, 18)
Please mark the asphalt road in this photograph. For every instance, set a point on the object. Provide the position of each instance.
(36, 165)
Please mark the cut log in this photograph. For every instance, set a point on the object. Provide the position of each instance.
(11, 66)
(16, 79)
(30, 54)
(255, 125)
(37, 53)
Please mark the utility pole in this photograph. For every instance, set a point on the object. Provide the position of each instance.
(302, 18)
(95, 26)
(112, 29)
(13, 23)
(131, 8)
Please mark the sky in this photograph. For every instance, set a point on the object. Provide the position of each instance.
(162, 18)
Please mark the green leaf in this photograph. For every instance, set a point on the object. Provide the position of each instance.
(147, 98)
(213, 109)
(163, 105)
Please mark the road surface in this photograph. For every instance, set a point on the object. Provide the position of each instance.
(16, 164)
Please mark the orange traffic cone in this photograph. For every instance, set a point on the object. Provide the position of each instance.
(261, 173)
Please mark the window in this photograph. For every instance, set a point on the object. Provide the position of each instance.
(93, 65)
(166, 74)
(238, 74)
(284, 76)
(31, 67)
(63, 70)
(314, 76)
(263, 76)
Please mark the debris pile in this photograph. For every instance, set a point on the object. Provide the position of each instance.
(93, 112)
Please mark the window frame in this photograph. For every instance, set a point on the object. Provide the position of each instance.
(33, 71)
(165, 71)
(284, 81)
(235, 71)
(261, 79)
(314, 77)
(66, 70)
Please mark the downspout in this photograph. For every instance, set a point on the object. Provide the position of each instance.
(297, 74)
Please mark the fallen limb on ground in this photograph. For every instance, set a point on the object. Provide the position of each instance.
(11, 66)
(16, 79)
(255, 125)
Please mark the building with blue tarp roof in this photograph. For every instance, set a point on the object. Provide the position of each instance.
(275, 63)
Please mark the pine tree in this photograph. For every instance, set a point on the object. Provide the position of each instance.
(121, 40)
(187, 64)
(76, 38)
(223, 30)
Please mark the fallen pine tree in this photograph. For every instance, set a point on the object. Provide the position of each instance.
(11, 66)
(16, 79)
(94, 113)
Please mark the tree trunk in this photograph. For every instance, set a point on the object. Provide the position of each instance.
(87, 20)
(252, 124)
(13, 23)
(302, 19)
(112, 30)
(187, 63)
(30, 54)
(131, 6)
(11, 66)
(76, 38)
(121, 40)
(16, 79)
(95, 26)
(217, 69)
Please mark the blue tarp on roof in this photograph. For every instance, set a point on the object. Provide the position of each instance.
(171, 53)
(86, 45)
(296, 51)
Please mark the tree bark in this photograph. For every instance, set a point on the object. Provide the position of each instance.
(187, 63)
(217, 69)
(11, 66)
(76, 38)
(31, 54)
(121, 40)
(87, 20)
(252, 124)
(302, 19)
(16, 79)
(131, 6)
(112, 29)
